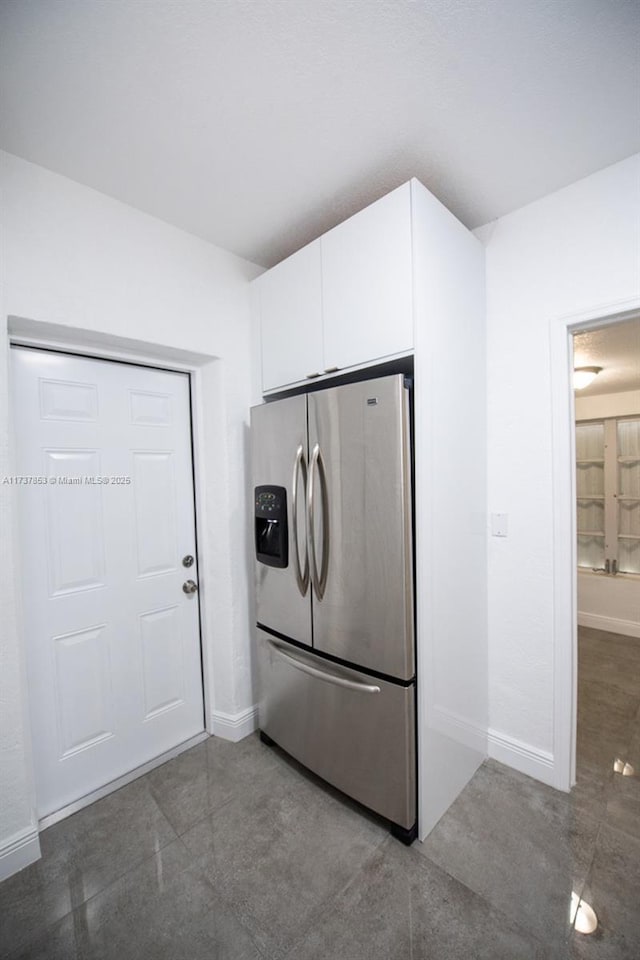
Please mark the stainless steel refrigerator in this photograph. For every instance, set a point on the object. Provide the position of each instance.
(334, 589)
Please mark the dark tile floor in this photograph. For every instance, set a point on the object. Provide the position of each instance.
(232, 852)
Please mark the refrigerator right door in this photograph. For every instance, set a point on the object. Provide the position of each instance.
(360, 525)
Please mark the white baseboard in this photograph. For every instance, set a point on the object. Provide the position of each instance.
(522, 756)
(19, 851)
(628, 628)
(514, 753)
(234, 726)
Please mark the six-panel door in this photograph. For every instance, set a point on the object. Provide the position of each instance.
(106, 504)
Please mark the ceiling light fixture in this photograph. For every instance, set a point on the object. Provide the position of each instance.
(582, 376)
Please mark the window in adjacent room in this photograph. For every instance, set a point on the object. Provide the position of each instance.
(608, 494)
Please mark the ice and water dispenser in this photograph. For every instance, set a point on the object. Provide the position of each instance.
(272, 539)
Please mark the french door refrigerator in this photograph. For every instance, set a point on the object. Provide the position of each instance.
(334, 589)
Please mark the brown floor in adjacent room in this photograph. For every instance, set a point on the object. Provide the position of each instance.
(232, 851)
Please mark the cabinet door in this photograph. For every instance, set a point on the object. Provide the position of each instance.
(290, 306)
(367, 283)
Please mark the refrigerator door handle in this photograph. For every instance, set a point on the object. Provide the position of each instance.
(302, 578)
(305, 667)
(319, 581)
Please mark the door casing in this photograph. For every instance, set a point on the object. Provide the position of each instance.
(565, 577)
(99, 626)
(203, 371)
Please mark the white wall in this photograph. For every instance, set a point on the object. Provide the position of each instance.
(74, 258)
(18, 839)
(606, 602)
(623, 404)
(573, 251)
(609, 603)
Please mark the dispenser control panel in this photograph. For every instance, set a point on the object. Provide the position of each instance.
(268, 500)
(271, 533)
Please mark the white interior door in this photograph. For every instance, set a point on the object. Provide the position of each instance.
(106, 504)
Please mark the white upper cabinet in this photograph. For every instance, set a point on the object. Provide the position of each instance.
(289, 301)
(342, 301)
(367, 283)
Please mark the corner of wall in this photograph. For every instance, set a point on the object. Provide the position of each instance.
(236, 726)
(529, 760)
(18, 851)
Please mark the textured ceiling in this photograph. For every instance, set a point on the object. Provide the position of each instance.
(615, 348)
(258, 124)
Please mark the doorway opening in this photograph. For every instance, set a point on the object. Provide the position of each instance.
(607, 511)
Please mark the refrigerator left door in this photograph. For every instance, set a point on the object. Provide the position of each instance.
(279, 458)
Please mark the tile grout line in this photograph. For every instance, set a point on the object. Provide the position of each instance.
(83, 903)
(334, 896)
(493, 908)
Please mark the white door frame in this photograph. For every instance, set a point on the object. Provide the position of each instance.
(199, 366)
(565, 577)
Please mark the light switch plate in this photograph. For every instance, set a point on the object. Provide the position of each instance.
(499, 524)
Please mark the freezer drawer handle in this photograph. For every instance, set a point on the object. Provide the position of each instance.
(322, 674)
(319, 582)
(299, 467)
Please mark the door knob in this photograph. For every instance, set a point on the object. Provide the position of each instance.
(189, 586)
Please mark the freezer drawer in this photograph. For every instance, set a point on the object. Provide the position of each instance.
(354, 731)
